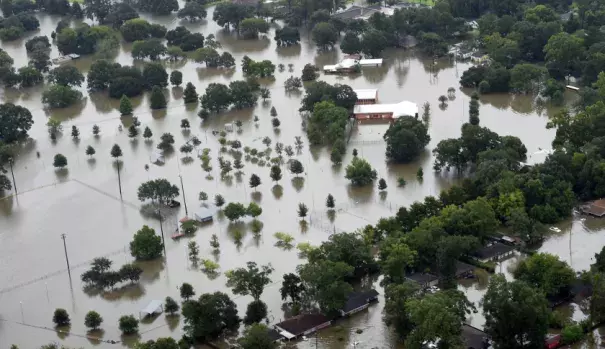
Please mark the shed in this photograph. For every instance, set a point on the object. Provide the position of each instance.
(154, 307)
(229, 127)
(423, 279)
(358, 301)
(204, 214)
(302, 325)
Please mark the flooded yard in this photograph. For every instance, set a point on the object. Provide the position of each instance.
(84, 203)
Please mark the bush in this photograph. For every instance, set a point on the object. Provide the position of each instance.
(571, 334)
(93, 320)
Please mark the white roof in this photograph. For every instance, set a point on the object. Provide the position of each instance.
(330, 67)
(376, 61)
(153, 307)
(398, 109)
(366, 93)
(347, 63)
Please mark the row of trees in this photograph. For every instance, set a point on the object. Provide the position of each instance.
(100, 275)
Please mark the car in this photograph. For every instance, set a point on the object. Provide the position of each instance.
(173, 203)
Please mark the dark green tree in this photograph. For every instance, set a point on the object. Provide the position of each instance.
(405, 139)
(176, 78)
(360, 172)
(93, 320)
(210, 316)
(128, 324)
(256, 337)
(157, 100)
(190, 94)
(255, 312)
(146, 245)
(250, 280)
(125, 106)
(186, 291)
(61, 317)
(516, 315)
(170, 306)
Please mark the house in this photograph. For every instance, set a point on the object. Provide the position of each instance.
(425, 280)
(302, 325)
(474, 338)
(347, 65)
(355, 12)
(464, 270)
(385, 111)
(493, 252)
(359, 301)
(366, 96)
(595, 208)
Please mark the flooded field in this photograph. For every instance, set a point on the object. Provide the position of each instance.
(84, 203)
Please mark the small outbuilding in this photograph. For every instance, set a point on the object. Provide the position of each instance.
(204, 214)
(154, 307)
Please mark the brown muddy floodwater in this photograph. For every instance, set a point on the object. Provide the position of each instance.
(83, 202)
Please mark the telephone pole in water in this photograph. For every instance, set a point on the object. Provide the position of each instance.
(63, 236)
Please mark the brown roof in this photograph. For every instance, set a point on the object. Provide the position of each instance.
(595, 208)
(299, 324)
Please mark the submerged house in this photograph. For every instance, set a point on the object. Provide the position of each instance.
(493, 252)
(385, 111)
(302, 325)
(425, 280)
(359, 301)
(351, 65)
(474, 338)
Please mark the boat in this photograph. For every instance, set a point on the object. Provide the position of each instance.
(555, 229)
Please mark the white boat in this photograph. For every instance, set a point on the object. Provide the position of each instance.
(555, 229)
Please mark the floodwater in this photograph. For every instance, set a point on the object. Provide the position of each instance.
(83, 201)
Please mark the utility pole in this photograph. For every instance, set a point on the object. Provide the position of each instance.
(10, 161)
(119, 179)
(63, 236)
(162, 229)
(184, 199)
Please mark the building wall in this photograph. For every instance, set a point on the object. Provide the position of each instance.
(361, 116)
(366, 101)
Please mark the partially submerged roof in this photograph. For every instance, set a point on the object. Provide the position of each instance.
(398, 109)
(366, 93)
(462, 268)
(595, 208)
(299, 324)
(422, 278)
(204, 212)
(375, 61)
(358, 299)
(493, 250)
(155, 306)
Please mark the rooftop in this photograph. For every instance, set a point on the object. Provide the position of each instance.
(421, 278)
(366, 93)
(595, 208)
(153, 307)
(358, 299)
(493, 250)
(474, 338)
(462, 268)
(297, 325)
(398, 109)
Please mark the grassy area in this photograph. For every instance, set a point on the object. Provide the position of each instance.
(78, 1)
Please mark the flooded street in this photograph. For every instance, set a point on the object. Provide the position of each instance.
(84, 203)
